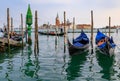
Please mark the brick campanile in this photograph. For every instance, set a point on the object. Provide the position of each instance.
(57, 21)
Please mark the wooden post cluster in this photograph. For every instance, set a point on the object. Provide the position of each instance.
(36, 44)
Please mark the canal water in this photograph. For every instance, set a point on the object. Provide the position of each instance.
(52, 64)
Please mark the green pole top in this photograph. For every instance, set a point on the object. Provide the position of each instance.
(29, 16)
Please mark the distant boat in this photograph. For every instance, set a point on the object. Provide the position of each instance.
(79, 45)
(105, 44)
(52, 33)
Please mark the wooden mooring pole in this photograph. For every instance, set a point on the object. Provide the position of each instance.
(37, 32)
(73, 27)
(8, 26)
(91, 32)
(22, 28)
(109, 25)
(48, 30)
(26, 33)
(11, 24)
(36, 44)
(64, 31)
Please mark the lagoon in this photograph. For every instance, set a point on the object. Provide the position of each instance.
(53, 64)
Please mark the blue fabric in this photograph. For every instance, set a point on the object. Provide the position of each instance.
(1, 30)
(82, 36)
(99, 36)
(111, 40)
(102, 45)
(113, 45)
(77, 44)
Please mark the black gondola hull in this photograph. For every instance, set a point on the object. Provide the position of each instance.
(74, 50)
(106, 51)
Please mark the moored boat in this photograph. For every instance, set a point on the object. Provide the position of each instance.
(105, 44)
(15, 36)
(14, 39)
(79, 45)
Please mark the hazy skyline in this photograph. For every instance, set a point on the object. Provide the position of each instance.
(48, 9)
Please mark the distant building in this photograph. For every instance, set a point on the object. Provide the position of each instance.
(68, 25)
(113, 27)
(57, 21)
(83, 26)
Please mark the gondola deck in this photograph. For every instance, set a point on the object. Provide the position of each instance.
(74, 50)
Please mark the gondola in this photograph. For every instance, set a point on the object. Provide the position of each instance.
(14, 36)
(51, 33)
(79, 45)
(105, 44)
(14, 39)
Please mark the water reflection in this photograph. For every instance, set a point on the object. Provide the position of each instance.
(74, 66)
(31, 67)
(2, 57)
(10, 69)
(28, 64)
(56, 42)
(106, 64)
(7, 70)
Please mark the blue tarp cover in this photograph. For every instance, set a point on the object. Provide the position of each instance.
(81, 40)
(102, 45)
(99, 36)
(113, 45)
(82, 36)
(78, 44)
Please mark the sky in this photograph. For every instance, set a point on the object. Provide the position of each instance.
(48, 9)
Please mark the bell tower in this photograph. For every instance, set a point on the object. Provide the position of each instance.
(57, 21)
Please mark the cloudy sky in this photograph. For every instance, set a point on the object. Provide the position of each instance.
(48, 9)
